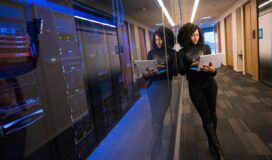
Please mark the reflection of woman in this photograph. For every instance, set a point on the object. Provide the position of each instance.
(159, 92)
(202, 86)
(165, 61)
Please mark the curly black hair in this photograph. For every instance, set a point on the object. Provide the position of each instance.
(185, 33)
(169, 37)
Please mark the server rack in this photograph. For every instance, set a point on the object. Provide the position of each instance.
(99, 76)
(74, 73)
(69, 89)
(20, 103)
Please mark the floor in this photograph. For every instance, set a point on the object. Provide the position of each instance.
(244, 110)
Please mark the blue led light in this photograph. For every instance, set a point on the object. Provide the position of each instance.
(70, 11)
(31, 100)
(9, 31)
(23, 118)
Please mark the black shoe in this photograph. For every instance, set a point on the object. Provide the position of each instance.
(218, 153)
(214, 144)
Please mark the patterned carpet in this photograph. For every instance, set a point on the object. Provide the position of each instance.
(244, 110)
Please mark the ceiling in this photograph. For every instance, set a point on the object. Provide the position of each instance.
(149, 13)
(152, 14)
(213, 8)
(261, 1)
(269, 5)
(145, 11)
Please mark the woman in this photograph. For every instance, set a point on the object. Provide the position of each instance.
(202, 86)
(159, 92)
(164, 54)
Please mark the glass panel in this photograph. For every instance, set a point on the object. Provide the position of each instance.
(265, 34)
(164, 91)
(70, 87)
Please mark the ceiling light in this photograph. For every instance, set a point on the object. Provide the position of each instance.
(208, 17)
(264, 4)
(159, 24)
(194, 10)
(142, 9)
(160, 3)
(166, 13)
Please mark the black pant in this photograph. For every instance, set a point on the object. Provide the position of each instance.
(203, 95)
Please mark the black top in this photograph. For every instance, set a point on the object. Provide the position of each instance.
(160, 56)
(186, 56)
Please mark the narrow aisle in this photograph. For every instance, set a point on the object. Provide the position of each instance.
(244, 111)
(145, 132)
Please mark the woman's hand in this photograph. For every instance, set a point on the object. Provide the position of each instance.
(149, 72)
(210, 68)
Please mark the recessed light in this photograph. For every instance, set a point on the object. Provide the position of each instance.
(159, 24)
(144, 9)
(208, 17)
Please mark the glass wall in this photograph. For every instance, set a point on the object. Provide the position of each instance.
(265, 40)
(68, 77)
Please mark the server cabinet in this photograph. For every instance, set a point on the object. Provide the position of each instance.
(20, 103)
(74, 74)
(66, 131)
(99, 76)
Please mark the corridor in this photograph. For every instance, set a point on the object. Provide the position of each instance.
(244, 110)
